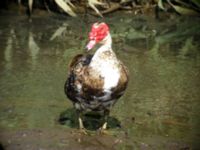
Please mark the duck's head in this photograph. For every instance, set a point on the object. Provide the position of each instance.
(99, 34)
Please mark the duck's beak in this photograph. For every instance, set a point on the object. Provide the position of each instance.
(90, 45)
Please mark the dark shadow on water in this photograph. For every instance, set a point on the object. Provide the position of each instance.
(1, 147)
(91, 121)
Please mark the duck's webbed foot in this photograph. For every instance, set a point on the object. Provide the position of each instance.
(81, 126)
(103, 128)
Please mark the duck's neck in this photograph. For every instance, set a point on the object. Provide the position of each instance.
(106, 46)
(107, 43)
(101, 54)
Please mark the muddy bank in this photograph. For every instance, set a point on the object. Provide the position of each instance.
(60, 139)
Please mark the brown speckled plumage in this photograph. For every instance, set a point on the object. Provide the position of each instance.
(96, 82)
(91, 89)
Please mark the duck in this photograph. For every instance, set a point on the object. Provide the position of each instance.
(96, 81)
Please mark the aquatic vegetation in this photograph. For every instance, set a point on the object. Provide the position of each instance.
(183, 7)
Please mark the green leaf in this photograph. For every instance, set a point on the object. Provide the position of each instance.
(185, 11)
(160, 4)
(196, 2)
(65, 6)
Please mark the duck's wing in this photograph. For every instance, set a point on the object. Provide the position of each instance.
(81, 83)
(118, 91)
(79, 61)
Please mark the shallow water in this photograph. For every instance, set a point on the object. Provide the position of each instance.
(160, 109)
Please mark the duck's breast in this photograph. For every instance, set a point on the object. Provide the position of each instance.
(107, 66)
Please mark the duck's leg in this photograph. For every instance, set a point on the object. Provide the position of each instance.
(81, 126)
(104, 126)
(80, 120)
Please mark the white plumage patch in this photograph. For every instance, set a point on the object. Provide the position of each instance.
(108, 69)
(79, 87)
(110, 74)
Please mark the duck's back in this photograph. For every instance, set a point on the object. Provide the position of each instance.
(77, 67)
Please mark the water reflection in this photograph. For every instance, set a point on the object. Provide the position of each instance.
(33, 49)
(60, 31)
(8, 54)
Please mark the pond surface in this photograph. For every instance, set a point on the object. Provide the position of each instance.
(160, 109)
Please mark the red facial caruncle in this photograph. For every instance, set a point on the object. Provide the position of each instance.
(98, 32)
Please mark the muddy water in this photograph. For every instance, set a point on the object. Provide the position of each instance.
(160, 109)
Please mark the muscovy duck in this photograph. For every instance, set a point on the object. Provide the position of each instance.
(96, 82)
